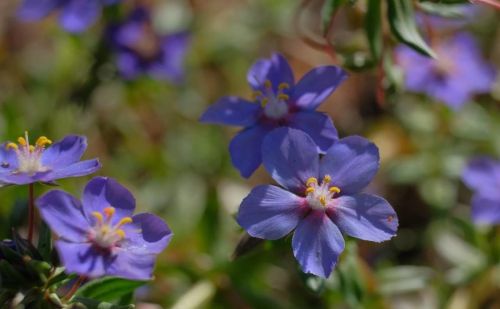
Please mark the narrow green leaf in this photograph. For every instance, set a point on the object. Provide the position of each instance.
(373, 26)
(403, 26)
(329, 7)
(454, 11)
(44, 242)
(95, 304)
(108, 288)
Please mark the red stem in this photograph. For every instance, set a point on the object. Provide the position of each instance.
(74, 288)
(31, 212)
(495, 4)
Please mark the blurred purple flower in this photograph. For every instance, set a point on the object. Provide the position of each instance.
(278, 102)
(321, 198)
(76, 15)
(24, 163)
(99, 236)
(454, 77)
(482, 175)
(140, 50)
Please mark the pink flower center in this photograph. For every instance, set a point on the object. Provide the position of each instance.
(275, 105)
(105, 235)
(319, 196)
(28, 156)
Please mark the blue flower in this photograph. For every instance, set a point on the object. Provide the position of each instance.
(76, 15)
(100, 235)
(454, 77)
(23, 163)
(482, 175)
(140, 50)
(278, 102)
(321, 198)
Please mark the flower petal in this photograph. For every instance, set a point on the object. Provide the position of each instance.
(8, 159)
(132, 265)
(83, 259)
(81, 168)
(485, 210)
(128, 65)
(32, 10)
(64, 152)
(270, 212)
(317, 244)
(482, 174)
(351, 162)
(245, 149)
(174, 49)
(291, 157)
(232, 111)
(318, 126)
(22, 178)
(63, 213)
(276, 70)
(316, 86)
(102, 192)
(365, 216)
(147, 234)
(78, 15)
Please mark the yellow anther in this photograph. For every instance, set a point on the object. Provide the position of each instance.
(327, 178)
(264, 102)
(120, 233)
(11, 146)
(283, 86)
(98, 216)
(334, 190)
(123, 221)
(21, 141)
(283, 97)
(42, 141)
(268, 84)
(311, 180)
(256, 94)
(310, 190)
(109, 212)
(322, 200)
(32, 148)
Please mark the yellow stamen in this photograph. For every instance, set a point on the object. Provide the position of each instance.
(283, 86)
(311, 181)
(264, 102)
(283, 97)
(42, 141)
(120, 233)
(32, 148)
(322, 200)
(11, 146)
(256, 94)
(310, 190)
(22, 141)
(268, 84)
(109, 212)
(334, 190)
(327, 178)
(98, 216)
(123, 221)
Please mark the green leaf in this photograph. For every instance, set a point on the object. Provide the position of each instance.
(373, 28)
(108, 288)
(403, 26)
(95, 304)
(454, 11)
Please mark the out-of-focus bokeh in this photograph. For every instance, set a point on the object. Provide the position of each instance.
(147, 135)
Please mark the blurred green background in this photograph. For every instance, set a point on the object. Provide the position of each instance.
(147, 136)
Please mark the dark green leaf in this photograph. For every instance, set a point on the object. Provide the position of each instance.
(246, 244)
(44, 242)
(108, 288)
(95, 304)
(403, 26)
(373, 28)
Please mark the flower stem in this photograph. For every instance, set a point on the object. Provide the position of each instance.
(31, 212)
(74, 288)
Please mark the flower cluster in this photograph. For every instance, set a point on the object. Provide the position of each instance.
(321, 176)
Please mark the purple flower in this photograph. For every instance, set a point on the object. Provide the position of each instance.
(454, 77)
(482, 175)
(140, 50)
(23, 163)
(278, 102)
(76, 15)
(99, 236)
(320, 198)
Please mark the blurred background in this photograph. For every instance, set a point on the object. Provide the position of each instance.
(146, 133)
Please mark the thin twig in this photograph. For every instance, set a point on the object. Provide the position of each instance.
(31, 212)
